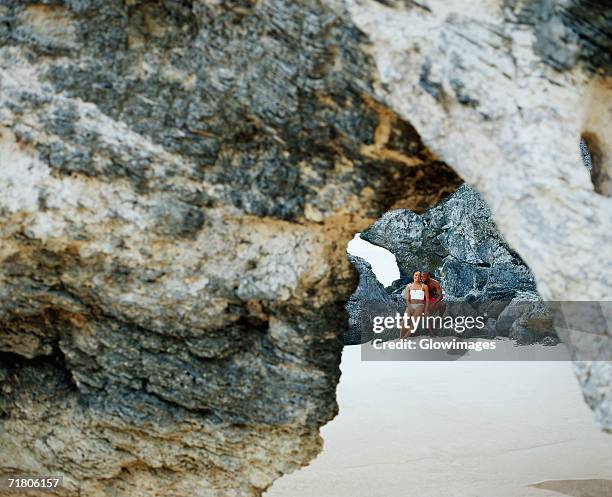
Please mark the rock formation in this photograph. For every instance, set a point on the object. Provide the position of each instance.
(368, 300)
(459, 243)
(500, 94)
(504, 91)
(179, 180)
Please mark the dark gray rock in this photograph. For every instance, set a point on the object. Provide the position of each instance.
(522, 304)
(527, 320)
(480, 274)
(568, 31)
(369, 299)
(458, 242)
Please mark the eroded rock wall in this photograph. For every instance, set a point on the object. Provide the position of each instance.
(458, 242)
(179, 180)
(178, 184)
(477, 86)
(503, 91)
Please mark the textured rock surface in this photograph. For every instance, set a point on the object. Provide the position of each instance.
(503, 91)
(480, 274)
(369, 299)
(516, 308)
(479, 91)
(458, 242)
(527, 319)
(595, 380)
(179, 180)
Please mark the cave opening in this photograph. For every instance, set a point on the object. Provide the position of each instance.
(594, 143)
(383, 262)
(408, 426)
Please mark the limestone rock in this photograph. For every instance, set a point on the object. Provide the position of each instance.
(458, 242)
(595, 378)
(479, 89)
(503, 91)
(368, 300)
(180, 178)
(178, 184)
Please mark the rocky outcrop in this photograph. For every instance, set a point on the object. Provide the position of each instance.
(458, 242)
(368, 300)
(504, 91)
(527, 319)
(179, 180)
(473, 86)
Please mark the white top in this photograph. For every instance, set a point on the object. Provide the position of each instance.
(417, 295)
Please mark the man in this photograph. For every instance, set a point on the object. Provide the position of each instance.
(436, 306)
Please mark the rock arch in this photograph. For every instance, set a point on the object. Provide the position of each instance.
(179, 180)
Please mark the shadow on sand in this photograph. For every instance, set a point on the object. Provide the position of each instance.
(578, 488)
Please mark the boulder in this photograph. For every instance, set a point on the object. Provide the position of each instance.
(369, 299)
(522, 304)
(459, 243)
(535, 326)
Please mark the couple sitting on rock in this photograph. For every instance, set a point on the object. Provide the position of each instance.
(423, 298)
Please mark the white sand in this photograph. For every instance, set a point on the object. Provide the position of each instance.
(455, 429)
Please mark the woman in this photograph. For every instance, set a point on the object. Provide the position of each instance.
(417, 302)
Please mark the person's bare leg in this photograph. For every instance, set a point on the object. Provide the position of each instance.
(434, 310)
(416, 313)
(405, 331)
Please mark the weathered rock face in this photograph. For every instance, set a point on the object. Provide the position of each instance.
(503, 91)
(179, 180)
(480, 91)
(368, 300)
(457, 241)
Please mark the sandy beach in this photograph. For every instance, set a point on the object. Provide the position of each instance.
(460, 429)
